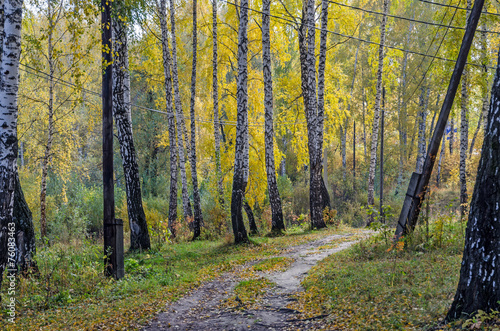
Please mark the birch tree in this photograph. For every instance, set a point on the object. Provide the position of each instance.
(9, 86)
(376, 113)
(464, 136)
(479, 284)
(198, 217)
(277, 224)
(179, 114)
(241, 143)
(215, 98)
(314, 113)
(422, 121)
(139, 235)
(172, 207)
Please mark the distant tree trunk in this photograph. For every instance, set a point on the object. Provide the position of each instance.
(464, 140)
(452, 134)
(343, 147)
(239, 176)
(186, 204)
(172, 213)
(24, 232)
(402, 112)
(50, 129)
(349, 111)
(354, 157)
(364, 126)
(382, 133)
(422, 121)
(479, 284)
(464, 136)
(441, 157)
(215, 97)
(198, 217)
(251, 219)
(484, 88)
(11, 50)
(376, 113)
(277, 224)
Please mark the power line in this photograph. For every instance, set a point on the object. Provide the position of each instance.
(457, 7)
(408, 19)
(360, 39)
(72, 85)
(432, 60)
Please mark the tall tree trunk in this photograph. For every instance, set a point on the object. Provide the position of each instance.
(251, 219)
(464, 140)
(364, 126)
(313, 106)
(198, 217)
(479, 284)
(452, 134)
(24, 232)
(172, 207)
(50, 129)
(376, 114)
(239, 176)
(441, 157)
(9, 86)
(349, 111)
(343, 147)
(422, 121)
(215, 97)
(484, 88)
(186, 204)
(277, 224)
(402, 112)
(139, 235)
(464, 137)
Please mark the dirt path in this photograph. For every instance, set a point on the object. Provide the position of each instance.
(201, 309)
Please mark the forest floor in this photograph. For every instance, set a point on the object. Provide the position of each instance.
(256, 295)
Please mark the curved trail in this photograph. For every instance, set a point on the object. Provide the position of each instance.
(201, 309)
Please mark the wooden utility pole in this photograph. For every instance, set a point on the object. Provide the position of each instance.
(113, 229)
(419, 182)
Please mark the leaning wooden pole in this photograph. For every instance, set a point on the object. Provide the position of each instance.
(419, 182)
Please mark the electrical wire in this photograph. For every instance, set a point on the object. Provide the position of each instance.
(360, 39)
(408, 19)
(457, 7)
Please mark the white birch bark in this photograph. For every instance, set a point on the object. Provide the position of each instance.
(215, 97)
(172, 213)
(239, 176)
(376, 113)
(186, 204)
(277, 223)
(9, 86)
(198, 217)
(464, 136)
(139, 234)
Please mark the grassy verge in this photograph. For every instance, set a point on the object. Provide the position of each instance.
(72, 293)
(376, 286)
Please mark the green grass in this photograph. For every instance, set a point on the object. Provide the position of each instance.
(72, 293)
(374, 286)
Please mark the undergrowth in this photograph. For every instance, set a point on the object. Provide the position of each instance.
(71, 292)
(381, 285)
